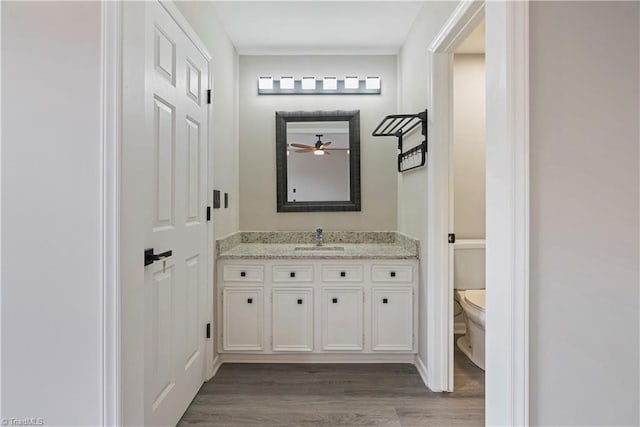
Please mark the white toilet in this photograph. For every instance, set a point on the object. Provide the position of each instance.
(469, 291)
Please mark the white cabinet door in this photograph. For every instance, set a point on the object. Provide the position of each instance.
(242, 319)
(392, 318)
(342, 318)
(292, 312)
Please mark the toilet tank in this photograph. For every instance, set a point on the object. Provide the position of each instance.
(469, 264)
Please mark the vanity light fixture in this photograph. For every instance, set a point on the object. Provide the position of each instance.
(351, 82)
(308, 83)
(330, 83)
(265, 83)
(287, 83)
(373, 83)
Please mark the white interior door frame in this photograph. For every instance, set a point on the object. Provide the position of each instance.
(111, 94)
(507, 336)
(115, 384)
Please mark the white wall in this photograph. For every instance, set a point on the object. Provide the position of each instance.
(469, 107)
(413, 98)
(257, 141)
(51, 212)
(584, 213)
(203, 18)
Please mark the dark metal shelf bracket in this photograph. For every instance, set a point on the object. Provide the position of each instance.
(400, 125)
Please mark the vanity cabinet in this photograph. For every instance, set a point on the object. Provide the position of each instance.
(324, 307)
(392, 318)
(342, 321)
(243, 319)
(292, 317)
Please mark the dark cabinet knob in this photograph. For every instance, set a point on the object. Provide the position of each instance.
(249, 300)
(299, 301)
(392, 274)
(385, 300)
(343, 274)
(243, 274)
(292, 274)
(334, 300)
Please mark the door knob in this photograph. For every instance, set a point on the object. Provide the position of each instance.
(150, 257)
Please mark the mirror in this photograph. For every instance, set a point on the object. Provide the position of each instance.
(318, 161)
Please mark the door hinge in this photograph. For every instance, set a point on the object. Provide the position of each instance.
(452, 238)
(208, 330)
(208, 96)
(208, 213)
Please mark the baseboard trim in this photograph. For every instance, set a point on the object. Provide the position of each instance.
(217, 362)
(316, 358)
(422, 370)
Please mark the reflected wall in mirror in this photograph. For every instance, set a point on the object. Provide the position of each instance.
(318, 161)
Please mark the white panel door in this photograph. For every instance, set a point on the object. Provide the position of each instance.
(242, 318)
(392, 318)
(342, 318)
(175, 176)
(292, 312)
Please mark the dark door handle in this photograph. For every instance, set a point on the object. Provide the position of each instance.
(150, 257)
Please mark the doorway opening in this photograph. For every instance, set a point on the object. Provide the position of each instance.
(467, 191)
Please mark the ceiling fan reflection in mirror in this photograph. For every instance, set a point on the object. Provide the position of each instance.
(319, 149)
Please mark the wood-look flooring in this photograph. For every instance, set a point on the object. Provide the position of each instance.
(335, 395)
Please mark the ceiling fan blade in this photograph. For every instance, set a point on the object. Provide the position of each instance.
(307, 147)
(336, 149)
(302, 151)
(326, 144)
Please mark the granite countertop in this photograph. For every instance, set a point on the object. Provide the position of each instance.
(282, 245)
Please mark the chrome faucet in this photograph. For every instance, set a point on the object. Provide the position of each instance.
(319, 237)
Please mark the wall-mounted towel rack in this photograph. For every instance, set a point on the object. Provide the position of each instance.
(399, 125)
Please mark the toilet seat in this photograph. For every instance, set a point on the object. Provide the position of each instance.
(476, 299)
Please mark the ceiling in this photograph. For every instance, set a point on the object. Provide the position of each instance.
(317, 27)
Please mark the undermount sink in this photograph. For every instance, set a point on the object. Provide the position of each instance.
(319, 248)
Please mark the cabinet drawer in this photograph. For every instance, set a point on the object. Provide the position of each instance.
(243, 273)
(342, 273)
(292, 273)
(392, 273)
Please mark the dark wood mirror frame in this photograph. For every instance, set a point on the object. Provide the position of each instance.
(284, 117)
